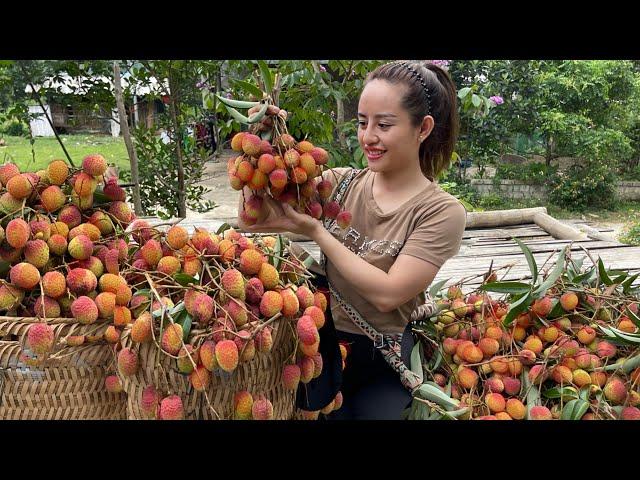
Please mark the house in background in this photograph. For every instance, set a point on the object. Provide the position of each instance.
(70, 114)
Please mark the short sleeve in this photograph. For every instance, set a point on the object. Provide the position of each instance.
(438, 238)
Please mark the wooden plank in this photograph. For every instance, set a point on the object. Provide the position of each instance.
(476, 251)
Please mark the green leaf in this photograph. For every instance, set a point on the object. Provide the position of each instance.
(585, 277)
(631, 363)
(99, 197)
(603, 273)
(476, 100)
(177, 309)
(4, 267)
(554, 275)
(560, 392)
(435, 361)
(435, 288)
(416, 360)
(237, 115)
(184, 279)
(517, 308)
(466, 205)
(626, 285)
(574, 410)
(533, 396)
(249, 88)
(463, 92)
(619, 279)
(633, 338)
(584, 392)
(578, 263)
(279, 247)
(267, 76)
(514, 288)
(186, 322)
(633, 317)
(224, 227)
(533, 266)
(259, 115)
(556, 309)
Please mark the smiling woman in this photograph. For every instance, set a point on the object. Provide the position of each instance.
(404, 227)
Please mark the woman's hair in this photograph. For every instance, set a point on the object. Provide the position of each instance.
(430, 91)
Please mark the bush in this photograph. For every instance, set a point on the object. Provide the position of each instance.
(589, 185)
(491, 201)
(631, 235)
(14, 128)
(533, 173)
(158, 159)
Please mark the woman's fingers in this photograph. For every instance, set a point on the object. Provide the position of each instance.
(275, 206)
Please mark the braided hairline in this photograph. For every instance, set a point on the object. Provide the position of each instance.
(419, 77)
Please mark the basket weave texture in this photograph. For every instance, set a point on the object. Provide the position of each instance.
(68, 385)
(260, 376)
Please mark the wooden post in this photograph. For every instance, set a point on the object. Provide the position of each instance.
(498, 218)
(557, 229)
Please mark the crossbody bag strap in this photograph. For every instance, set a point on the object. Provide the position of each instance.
(338, 193)
(389, 345)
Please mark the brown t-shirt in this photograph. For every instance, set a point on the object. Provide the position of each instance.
(428, 226)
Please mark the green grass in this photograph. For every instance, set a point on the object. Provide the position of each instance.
(18, 150)
(627, 211)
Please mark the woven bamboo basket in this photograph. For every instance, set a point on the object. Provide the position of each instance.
(260, 376)
(68, 385)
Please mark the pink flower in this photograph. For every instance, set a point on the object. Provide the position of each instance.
(322, 69)
(497, 99)
(441, 63)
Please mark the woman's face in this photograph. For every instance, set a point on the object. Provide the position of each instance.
(385, 132)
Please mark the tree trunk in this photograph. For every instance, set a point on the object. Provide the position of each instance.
(340, 122)
(124, 127)
(177, 138)
(216, 130)
(549, 154)
(339, 110)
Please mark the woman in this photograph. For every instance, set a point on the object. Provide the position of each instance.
(403, 229)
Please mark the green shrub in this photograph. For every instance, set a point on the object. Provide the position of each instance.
(631, 235)
(583, 186)
(532, 173)
(491, 201)
(14, 128)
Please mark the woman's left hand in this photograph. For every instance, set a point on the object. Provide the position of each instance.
(286, 219)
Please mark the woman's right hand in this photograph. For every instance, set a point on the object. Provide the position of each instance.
(267, 213)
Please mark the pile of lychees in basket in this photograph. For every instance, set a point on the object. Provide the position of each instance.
(206, 302)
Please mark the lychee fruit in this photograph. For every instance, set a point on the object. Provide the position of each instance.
(208, 355)
(94, 165)
(17, 233)
(271, 303)
(112, 384)
(171, 408)
(24, 275)
(172, 338)
(227, 355)
(40, 338)
(233, 283)
(127, 362)
(242, 405)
